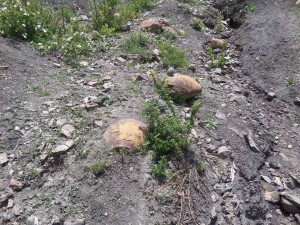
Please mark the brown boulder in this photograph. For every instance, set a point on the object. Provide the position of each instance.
(126, 133)
(184, 86)
(217, 43)
(155, 25)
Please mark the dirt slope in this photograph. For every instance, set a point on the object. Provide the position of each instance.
(38, 97)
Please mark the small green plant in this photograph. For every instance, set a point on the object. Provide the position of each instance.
(40, 90)
(201, 167)
(171, 56)
(197, 24)
(136, 44)
(251, 7)
(33, 174)
(290, 81)
(218, 60)
(210, 123)
(219, 26)
(159, 170)
(98, 168)
(83, 154)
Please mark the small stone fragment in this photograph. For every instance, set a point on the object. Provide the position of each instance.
(267, 179)
(61, 149)
(297, 101)
(288, 206)
(67, 130)
(223, 152)
(272, 196)
(192, 67)
(56, 65)
(154, 25)
(10, 203)
(3, 158)
(250, 141)
(171, 71)
(220, 116)
(32, 220)
(15, 185)
(271, 96)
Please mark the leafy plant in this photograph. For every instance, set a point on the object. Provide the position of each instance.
(159, 170)
(83, 154)
(210, 123)
(98, 168)
(290, 81)
(219, 26)
(218, 60)
(197, 24)
(251, 7)
(201, 167)
(171, 56)
(136, 44)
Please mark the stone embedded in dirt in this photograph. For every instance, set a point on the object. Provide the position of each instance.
(126, 133)
(67, 130)
(298, 2)
(83, 63)
(250, 141)
(15, 185)
(32, 220)
(272, 196)
(61, 149)
(126, 27)
(4, 67)
(93, 83)
(267, 179)
(106, 78)
(76, 222)
(98, 123)
(274, 164)
(56, 65)
(5, 194)
(220, 115)
(297, 101)
(271, 96)
(155, 25)
(217, 43)
(171, 71)
(82, 18)
(184, 86)
(3, 158)
(223, 152)
(288, 206)
(137, 77)
(10, 203)
(295, 199)
(192, 67)
(43, 157)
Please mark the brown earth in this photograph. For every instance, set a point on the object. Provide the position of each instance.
(37, 99)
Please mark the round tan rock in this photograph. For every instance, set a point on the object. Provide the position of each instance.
(154, 25)
(217, 43)
(184, 86)
(126, 133)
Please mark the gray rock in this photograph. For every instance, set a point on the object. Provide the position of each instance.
(5, 194)
(251, 143)
(7, 216)
(56, 65)
(288, 206)
(271, 96)
(294, 199)
(126, 27)
(3, 158)
(32, 220)
(61, 149)
(274, 164)
(297, 101)
(76, 222)
(171, 71)
(267, 179)
(82, 18)
(223, 152)
(221, 116)
(283, 156)
(67, 130)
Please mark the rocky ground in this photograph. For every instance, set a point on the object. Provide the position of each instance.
(53, 118)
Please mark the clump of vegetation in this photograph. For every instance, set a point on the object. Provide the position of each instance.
(251, 7)
(108, 16)
(210, 123)
(219, 26)
(290, 81)
(136, 44)
(201, 167)
(97, 168)
(167, 133)
(197, 24)
(218, 60)
(171, 56)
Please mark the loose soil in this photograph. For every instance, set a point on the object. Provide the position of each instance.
(36, 96)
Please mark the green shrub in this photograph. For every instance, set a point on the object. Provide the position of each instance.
(26, 20)
(98, 168)
(197, 24)
(201, 167)
(136, 44)
(218, 60)
(112, 14)
(167, 135)
(159, 170)
(171, 56)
